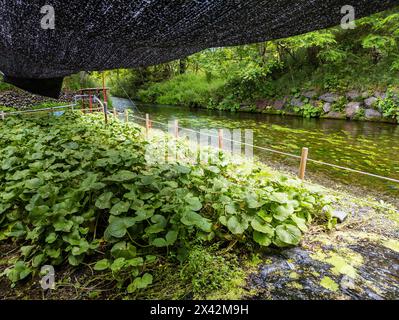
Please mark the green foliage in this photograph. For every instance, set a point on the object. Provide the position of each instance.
(390, 105)
(205, 270)
(309, 111)
(70, 186)
(185, 90)
(79, 81)
(7, 109)
(5, 86)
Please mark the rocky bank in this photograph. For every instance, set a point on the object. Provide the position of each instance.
(353, 105)
(21, 100)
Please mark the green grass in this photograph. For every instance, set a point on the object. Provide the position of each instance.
(186, 90)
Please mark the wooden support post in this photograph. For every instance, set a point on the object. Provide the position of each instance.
(104, 89)
(105, 110)
(126, 115)
(176, 129)
(83, 104)
(90, 102)
(115, 114)
(220, 136)
(304, 159)
(2, 115)
(147, 124)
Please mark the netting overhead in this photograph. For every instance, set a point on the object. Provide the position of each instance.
(107, 34)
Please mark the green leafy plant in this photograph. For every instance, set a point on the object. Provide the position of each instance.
(309, 111)
(71, 187)
(389, 105)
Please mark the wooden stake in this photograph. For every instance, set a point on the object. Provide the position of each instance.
(105, 110)
(104, 89)
(304, 159)
(2, 115)
(115, 114)
(126, 115)
(220, 134)
(90, 102)
(147, 124)
(176, 128)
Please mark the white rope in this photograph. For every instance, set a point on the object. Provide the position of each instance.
(37, 110)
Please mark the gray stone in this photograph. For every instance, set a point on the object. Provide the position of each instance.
(370, 102)
(335, 115)
(327, 107)
(352, 109)
(340, 215)
(296, 102)
(372, 114)
(353, 95)
(279, 104)
(310, 94)
(329, 97)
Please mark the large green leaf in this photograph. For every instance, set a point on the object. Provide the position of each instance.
(101, 265)
(262, 227)
(288, 234)
(91, 183)
(191, 218)
(236, 226)
(140, 283)
(300, 223)
(118, 227)
(123, 250)
(193, 203)
(104, 200)
(158, 226)
(262, 238)
(283, 212)
(120, 207)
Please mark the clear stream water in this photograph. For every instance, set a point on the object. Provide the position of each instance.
(366, 146)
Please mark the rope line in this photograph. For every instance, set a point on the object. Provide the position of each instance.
(224, 139)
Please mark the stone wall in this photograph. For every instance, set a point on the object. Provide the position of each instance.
(353, 105)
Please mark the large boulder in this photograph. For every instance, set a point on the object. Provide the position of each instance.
(296, 102)
(262, 105)
(327, 107)
(329, 97)
(352, 109)
(279, 104)
(370, 102)
(371, 114)
(335, 115)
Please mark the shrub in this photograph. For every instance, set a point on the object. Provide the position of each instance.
(389, 105)
(186, 90)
